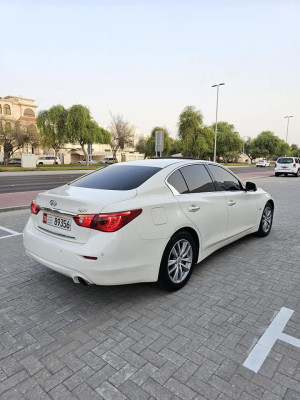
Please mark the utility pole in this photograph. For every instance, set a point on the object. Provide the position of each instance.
(216, 125)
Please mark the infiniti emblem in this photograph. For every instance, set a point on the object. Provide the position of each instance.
(53, 203)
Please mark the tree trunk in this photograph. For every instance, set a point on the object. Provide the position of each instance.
(85, 153)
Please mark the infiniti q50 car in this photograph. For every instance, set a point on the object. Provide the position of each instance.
(143, 221)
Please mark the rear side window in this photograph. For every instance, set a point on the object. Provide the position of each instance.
(285, 160)
(117, 177)
(197, 179)
(176, 180)
(224, 179)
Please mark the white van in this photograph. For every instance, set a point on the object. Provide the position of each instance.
(287, 165)
(48, 160)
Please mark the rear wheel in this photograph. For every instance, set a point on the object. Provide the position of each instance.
(277, 174)
(297, 174)
(266, 221)
(177, 261)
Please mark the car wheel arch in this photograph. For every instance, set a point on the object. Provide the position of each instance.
(194, 235)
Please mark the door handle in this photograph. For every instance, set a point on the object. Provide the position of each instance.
(194, 208)
(232, 203)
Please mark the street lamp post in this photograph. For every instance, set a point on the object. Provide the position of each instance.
(287, 128)
(216, 125)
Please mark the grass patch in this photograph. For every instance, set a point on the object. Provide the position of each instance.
(52, 167)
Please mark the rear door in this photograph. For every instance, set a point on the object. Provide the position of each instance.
(242, 205)
(201, 203)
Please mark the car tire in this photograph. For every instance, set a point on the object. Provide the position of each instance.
(266, 221)
(277, 174)
(40, 163)
(177, 261)
(297, 174)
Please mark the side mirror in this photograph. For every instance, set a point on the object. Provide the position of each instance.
(250, 186)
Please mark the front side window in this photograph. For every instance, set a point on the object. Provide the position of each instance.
(197, 179)
(224, 179)
(117, 177)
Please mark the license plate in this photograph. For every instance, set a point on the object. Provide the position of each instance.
(57, 222)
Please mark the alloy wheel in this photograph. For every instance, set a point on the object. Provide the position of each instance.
(267, 219)
(180, 261)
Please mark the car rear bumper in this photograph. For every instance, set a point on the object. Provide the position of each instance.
(286, 170)
(123, 258)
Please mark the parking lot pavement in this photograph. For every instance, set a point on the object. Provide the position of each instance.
(59, 340)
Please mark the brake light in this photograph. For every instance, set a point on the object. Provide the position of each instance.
(294, 165)
(275, 165)
(34, 208)
(111, 222)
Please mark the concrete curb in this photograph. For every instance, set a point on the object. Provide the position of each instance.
(14, 208)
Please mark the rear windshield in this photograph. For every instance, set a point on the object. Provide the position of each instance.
(285, 160)
(117, 177)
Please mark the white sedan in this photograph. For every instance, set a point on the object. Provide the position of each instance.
(143, 221)
(91, 162)
(263, 163)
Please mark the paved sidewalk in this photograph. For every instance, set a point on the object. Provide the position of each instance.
(17, 200)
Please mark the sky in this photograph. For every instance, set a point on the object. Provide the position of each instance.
(149, 59)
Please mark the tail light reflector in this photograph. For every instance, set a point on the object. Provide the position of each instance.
(111, 222)
(34, 208)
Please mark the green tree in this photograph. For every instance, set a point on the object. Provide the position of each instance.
(283, 149)
(189, 127)
(265, 145)
(141, 145)
(52, 127)
(15, 135)
(82, 129)
(295, 150)
(150, 145)
(229, 143)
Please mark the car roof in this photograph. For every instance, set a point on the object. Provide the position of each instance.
(164, 162)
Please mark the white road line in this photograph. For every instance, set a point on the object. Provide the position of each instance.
(274, 332)
(12, 233)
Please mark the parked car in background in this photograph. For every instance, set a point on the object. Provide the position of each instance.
(287, 165)
(108, 160)
(91, 162)
(143, 221)
(14, 161)
(263, 162)
(48, 160)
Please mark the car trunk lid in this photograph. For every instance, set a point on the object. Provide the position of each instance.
(60, 205)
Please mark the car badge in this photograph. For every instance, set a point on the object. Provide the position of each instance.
(53, 203)
(82, 210)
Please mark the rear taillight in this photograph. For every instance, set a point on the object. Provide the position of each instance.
(275, 165)
(294, 165)
(111, 222)
(34, 208)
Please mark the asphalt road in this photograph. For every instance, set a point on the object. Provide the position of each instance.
(12, 183)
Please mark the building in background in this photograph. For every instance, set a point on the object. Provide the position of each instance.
(18, 110)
